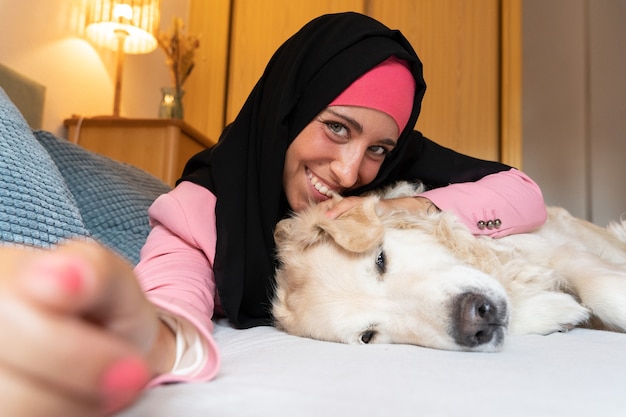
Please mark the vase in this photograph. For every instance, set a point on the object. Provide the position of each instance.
(171, 103)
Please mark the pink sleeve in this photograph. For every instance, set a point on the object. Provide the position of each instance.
(510, 198)
(176, 267)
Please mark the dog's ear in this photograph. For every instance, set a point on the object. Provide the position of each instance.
(299, 231)
(357, 230)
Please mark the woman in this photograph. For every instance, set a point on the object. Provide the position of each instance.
(333, 112)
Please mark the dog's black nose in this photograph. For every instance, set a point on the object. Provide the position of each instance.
(476, 320)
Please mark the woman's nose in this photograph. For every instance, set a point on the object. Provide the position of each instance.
(346, 167)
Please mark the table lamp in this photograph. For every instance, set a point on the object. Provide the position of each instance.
(125, 26)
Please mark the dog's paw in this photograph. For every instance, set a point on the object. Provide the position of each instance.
(547, 312)
(605, 296)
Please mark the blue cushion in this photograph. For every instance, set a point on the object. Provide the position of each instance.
(113, 198)
(36, 208)
(52, 190)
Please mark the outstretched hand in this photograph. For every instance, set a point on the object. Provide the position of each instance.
(79, 338)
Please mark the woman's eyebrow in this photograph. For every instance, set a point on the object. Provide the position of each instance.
(353, 123)
(389, 142)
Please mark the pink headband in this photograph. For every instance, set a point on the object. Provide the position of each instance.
(388, 87)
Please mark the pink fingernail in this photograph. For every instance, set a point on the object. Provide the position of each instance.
(122, 382)
(68, 275)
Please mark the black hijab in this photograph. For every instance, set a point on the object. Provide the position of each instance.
(244, 170)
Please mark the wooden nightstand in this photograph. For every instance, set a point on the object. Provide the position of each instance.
(158, 146)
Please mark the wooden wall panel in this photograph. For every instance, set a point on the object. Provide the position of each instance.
(458, 43)
(511, 84)
(468, 105)
(259, 28)
(206, 87)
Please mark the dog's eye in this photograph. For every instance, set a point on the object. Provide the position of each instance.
(367, 336)
(381, 262)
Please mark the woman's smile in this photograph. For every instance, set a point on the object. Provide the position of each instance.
(324, 192)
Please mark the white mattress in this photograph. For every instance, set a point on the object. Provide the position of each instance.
(268, 373)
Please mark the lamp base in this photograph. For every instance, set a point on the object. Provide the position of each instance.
(119, 71)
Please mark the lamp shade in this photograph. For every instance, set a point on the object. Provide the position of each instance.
(136, 20)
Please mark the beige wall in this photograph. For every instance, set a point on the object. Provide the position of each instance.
(42, 40)
(574, 104)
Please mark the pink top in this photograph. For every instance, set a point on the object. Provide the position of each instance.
(176, 267)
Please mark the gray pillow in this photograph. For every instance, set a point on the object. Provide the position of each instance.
(52, 190)
(36, 208)
(113, 198)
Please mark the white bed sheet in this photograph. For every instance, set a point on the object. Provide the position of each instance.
(268, 373)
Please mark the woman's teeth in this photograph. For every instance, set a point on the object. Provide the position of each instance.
(321, 187)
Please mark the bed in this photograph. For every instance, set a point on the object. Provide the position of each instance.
(51, 189)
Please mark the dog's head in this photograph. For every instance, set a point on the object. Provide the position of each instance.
(374, 277)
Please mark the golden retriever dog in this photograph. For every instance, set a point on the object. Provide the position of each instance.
(371, 276)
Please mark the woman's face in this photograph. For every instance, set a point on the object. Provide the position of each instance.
(341, 149)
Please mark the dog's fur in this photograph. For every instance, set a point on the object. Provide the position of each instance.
(392, 277)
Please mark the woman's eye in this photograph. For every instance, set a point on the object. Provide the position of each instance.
(337, 128)
(379, 150)
(367, 336)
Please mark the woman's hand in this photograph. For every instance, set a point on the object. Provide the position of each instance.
(417, 205)
(78, 337)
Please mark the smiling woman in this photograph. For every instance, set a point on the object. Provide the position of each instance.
(323, 62)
